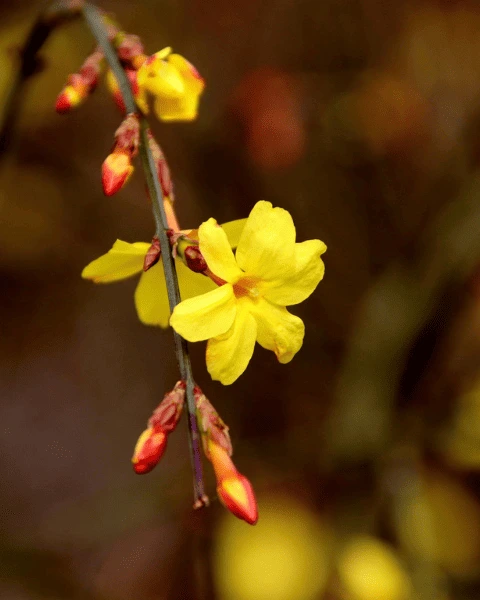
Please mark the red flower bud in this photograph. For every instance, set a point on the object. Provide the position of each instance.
(236, 494)
(149, 449)
(234, 489)
(194, 259)
(116, 170)
(68, 98)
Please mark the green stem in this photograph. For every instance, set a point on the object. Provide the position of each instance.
(93, 19)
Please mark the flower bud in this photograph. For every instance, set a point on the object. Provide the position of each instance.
(234, 489)
(236, 494)
(81, 84)
(149, 449)
(194, 259)
(116, 170)
(153, 254)
(153, 441)
(69, 98)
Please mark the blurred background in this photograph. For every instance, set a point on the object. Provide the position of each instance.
(361, 118)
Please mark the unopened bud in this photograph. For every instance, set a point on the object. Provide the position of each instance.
(149, 449)
(234, 489)
(236, 494)
(116, 170)
(194, 259)
(153, 441)
(68, 98)
(153, 254)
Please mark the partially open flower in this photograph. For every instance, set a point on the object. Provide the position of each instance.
(174, 83)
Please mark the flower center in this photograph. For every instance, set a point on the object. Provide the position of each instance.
(247, 286)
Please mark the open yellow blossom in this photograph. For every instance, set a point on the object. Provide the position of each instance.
(269, 272)
(124, 260)
(174, 83)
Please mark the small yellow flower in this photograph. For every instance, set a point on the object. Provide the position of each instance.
(124, 260)
(269, 272)
(175, 84)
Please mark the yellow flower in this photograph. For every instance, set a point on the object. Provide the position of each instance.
(124, 260)
(175, 84)
(269, 272)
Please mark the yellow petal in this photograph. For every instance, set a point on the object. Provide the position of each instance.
(308, 272)
(192, 284)
(205, 316)
(121, 261)
(141, 100)
(229, 354)
(175, 109)
(151, 299)
(278, 330)
(161, 54)
(216, 250)
(234, 229)
(161, 79)
(194, 82)
(267, 244)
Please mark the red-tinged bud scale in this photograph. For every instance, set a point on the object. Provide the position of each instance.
(214, 430)
(153, 254)
(149, 449)
(116, 170)
(127, 136)
(169, 411)
(162, 167)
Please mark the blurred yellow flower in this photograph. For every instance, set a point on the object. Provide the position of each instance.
(286, 556)
(441, 524)
(174, 83)
(269, 272)
(124, 260)
(370, 570)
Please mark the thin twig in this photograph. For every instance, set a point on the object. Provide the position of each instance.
(93, 19)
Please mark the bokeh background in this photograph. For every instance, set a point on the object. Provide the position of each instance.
(360, 117)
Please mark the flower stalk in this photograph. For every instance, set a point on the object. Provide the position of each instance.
(93, 19)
